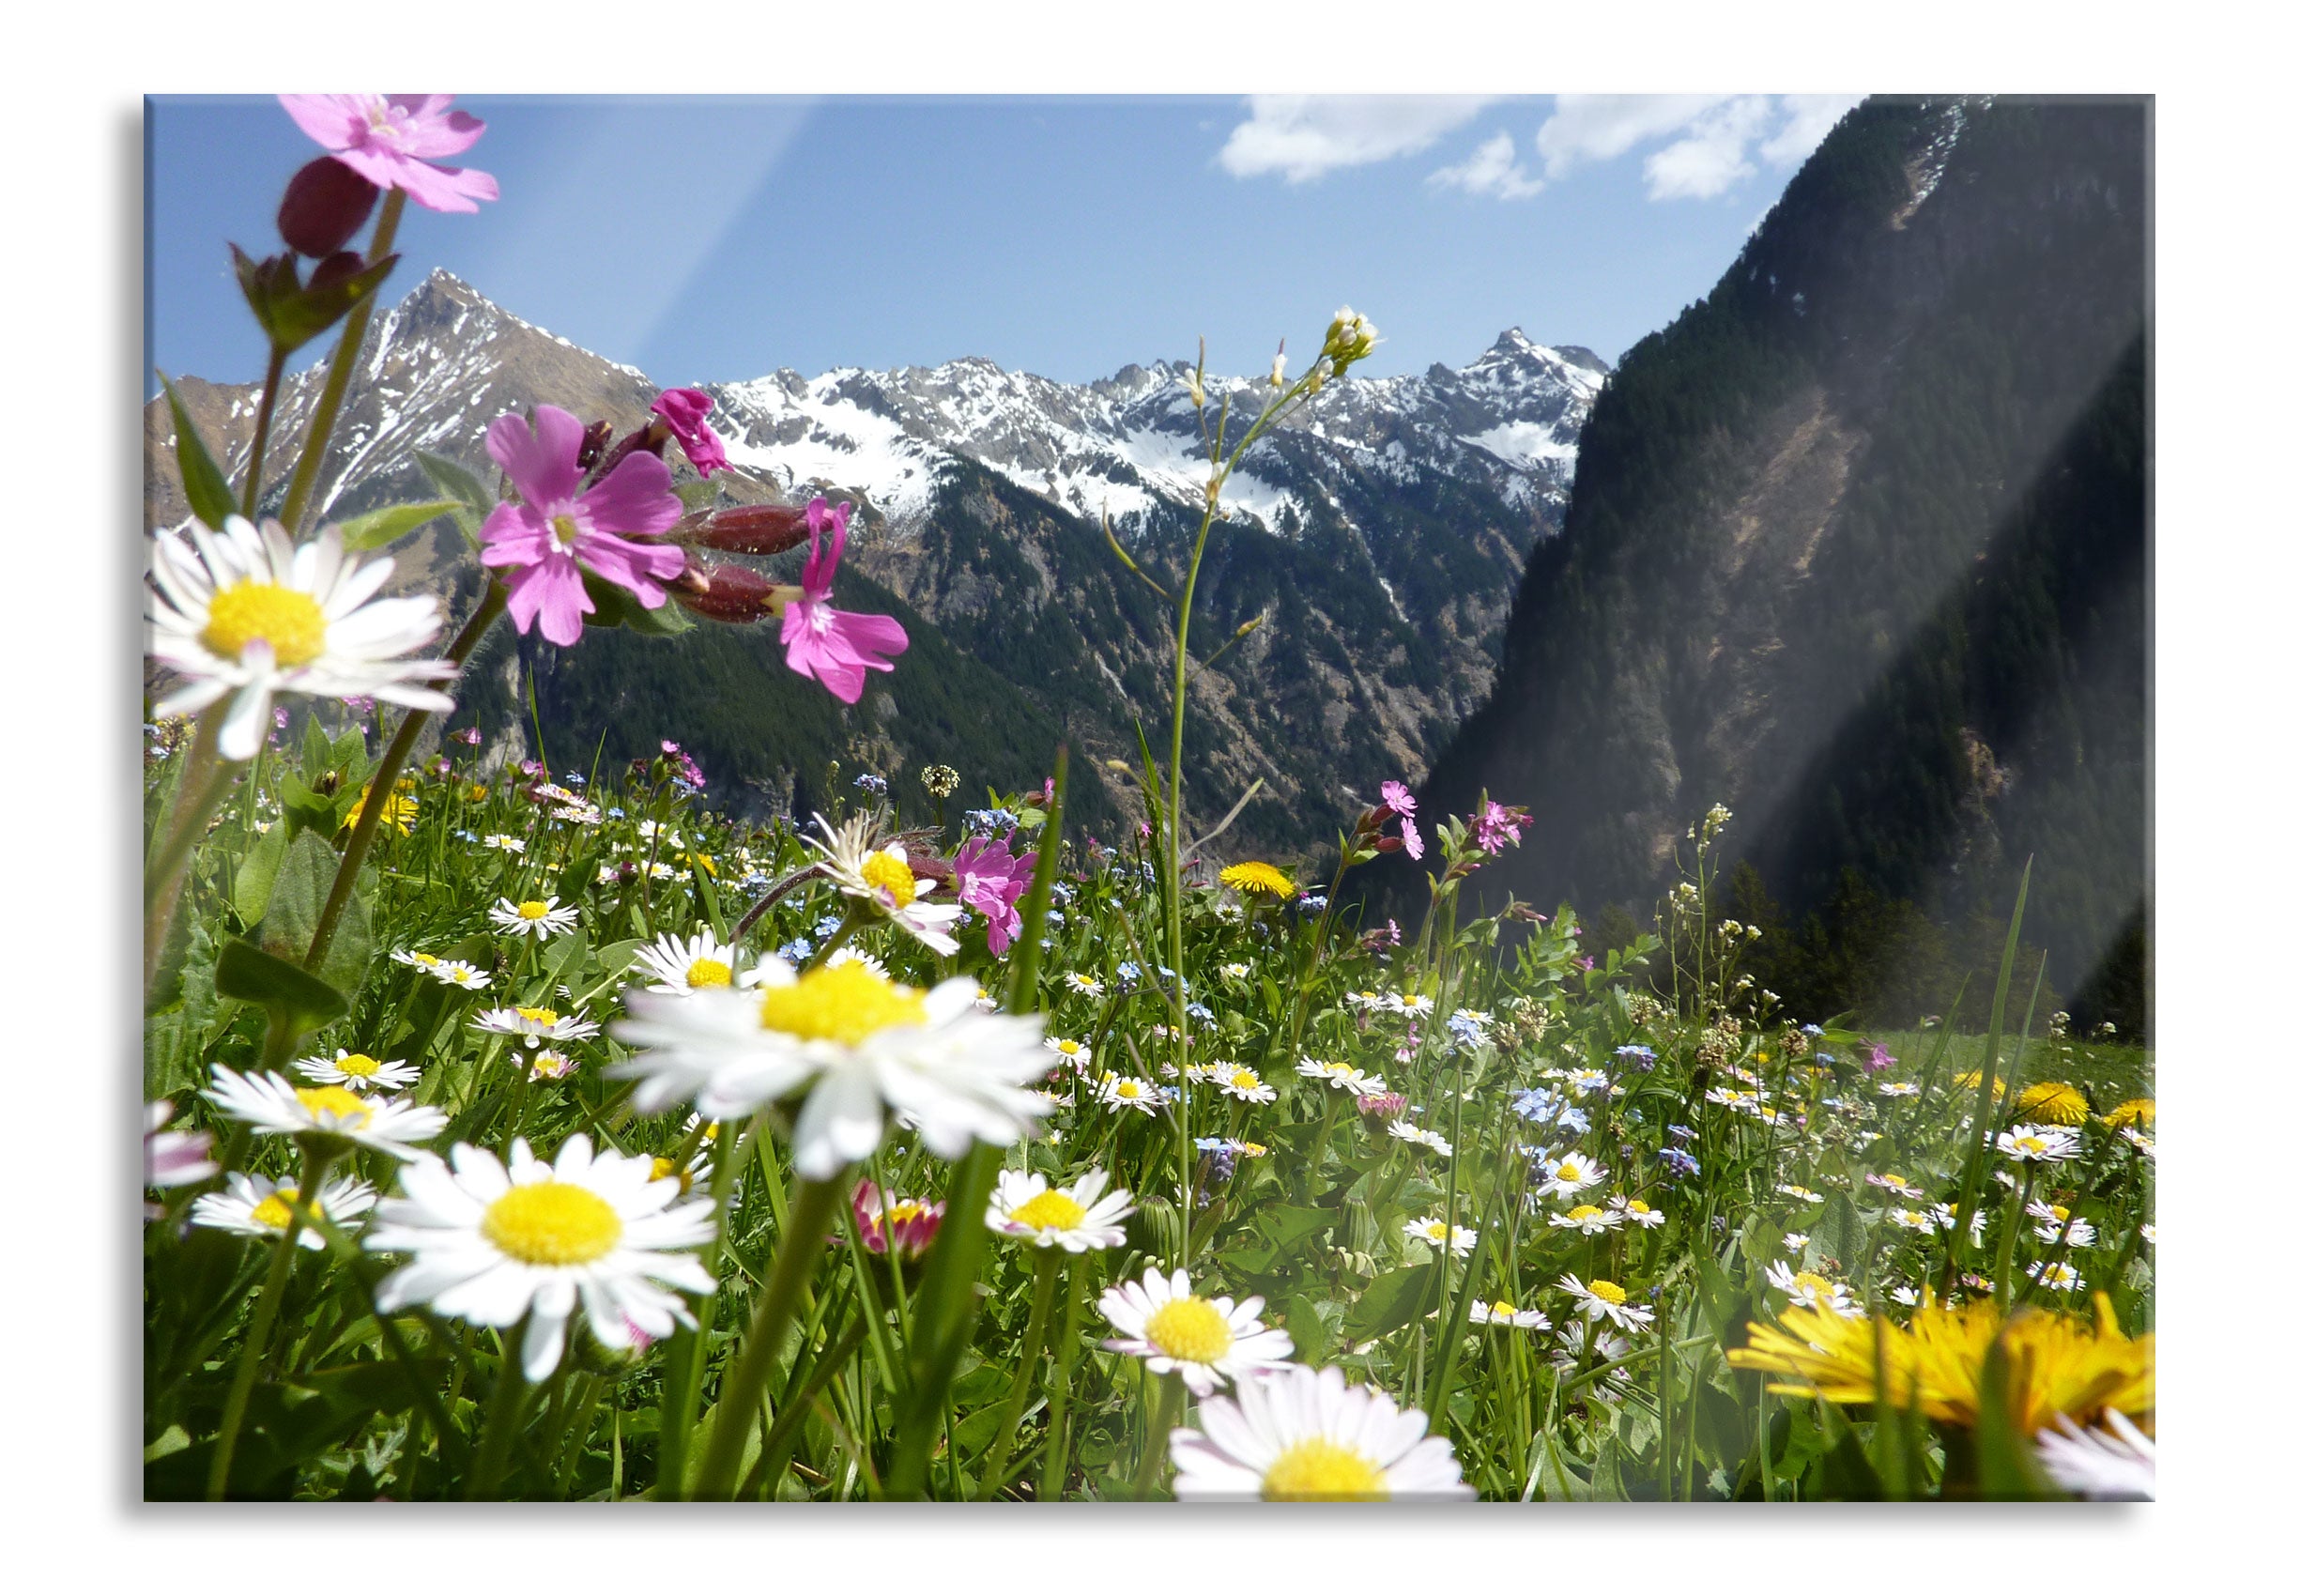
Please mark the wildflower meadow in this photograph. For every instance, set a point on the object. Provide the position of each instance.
(526, 1129)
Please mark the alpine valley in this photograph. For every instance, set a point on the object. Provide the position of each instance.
(1377, 536)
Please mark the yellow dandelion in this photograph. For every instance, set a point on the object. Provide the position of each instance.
(1254, 876)
(2057, 1364)
(1971, 1081)
(2132, 1111)
(399, 811)
(2054, 1102)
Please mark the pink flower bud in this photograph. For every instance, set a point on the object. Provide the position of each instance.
(755, 528)
(732, 593)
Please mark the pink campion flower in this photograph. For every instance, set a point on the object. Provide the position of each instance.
(1394, 793)
(394, 140)
(1498, 827)
(991, 880)
(560, 530)
(683, 411)
(1412, 835)
(1878, 1060)
(835, 646)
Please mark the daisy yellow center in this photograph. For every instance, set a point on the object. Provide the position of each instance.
(346, 1107)
(564, 531)
(1128, 1089)
(1819, 1285)
(531, 910)
(2029, 1144)
(1637, 1207)
(289, 620)
(273, 1210)
(842, 1003)
(538, 1015)
(552, 1221)
(665, 1169)
(1049, 1210)
(891, 875)
(709, 972)
(1606, 1291)
(1188, 1329)
(1502, 1310)
(907, 1210)
(1568, 1171)
(1586, 1211)
(426, 960)
(357, 1064)
(1246, 1080)
(1320, 1470)
(1066, 1046)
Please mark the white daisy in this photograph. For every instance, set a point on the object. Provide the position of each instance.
(1501, 1312)
(2038, 1143)
(865, 1043)
(250, 614)
(1806, 1289)
(1910, 1219)
(1568, 1173)
(1084, 985)
(2056, 1277)
(1072, 1052)
(276, 1107)
(1242, 1084)
(1129, 1092)
(1414, 1002)
(1458, 1239)
(492, 1245)
(1238, 972)
(549, 1064)
(424, 961)
(2052, 1218)
(1638, 1213)
(2115, 1462)
(1303, 1435)
(1794, 1241)
(1371, 1001)
(649, 830)
(256, 1206)
(455, 972)
(692, 964)
(1421, 1137)
(1804, 1194)
(882, 877)
(1078, 1217)
(1582, 1336)
(1208, 1342)
(533, 917)
(1582, 1083)
(495, 839)
(535, 1025)
(1605, 1299)
(1897, 1088)
(1586, 1218)
(358, 1071)
(174, 1158)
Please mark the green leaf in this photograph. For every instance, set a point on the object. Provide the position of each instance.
(666, 620)
(698, 495)
(299, 893)
(1307, 1317)
(471, 496)
(377, 528)
(246, 972)
(205, 488)
(252, 887)
(1839, 1232)
(1285, 1227)
(2004, 1458)
(610, 606)
(291, 312)
(1392, 1300)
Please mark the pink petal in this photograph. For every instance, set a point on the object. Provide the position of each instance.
(334, 121)
(553, 588)
(439, 188)
(514, 534)
(635, 496)
(871, 634)
(541, 464)
(639, 567)
(433, 130)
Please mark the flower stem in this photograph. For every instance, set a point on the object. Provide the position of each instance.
(1033, 1342)
(1154, 1442)
(1054, 1466)
(737, 1411)
(316, 1160)
(254, 487)
(385, 780)
(339, 375)
(502, 1421)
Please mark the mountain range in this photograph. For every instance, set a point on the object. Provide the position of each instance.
(1380, 531)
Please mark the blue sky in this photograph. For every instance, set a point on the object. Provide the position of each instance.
(706, 240)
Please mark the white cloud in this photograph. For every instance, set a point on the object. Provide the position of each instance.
(1307, 135)
(1710, 135)
(1491, 169)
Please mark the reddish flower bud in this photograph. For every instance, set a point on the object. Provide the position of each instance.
(734, 593)
(335, 268)
(325, 203)
(650, 437)
(755, 528)
(594, 444)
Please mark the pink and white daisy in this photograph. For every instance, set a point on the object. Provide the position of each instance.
(1299, 1435)
(1209, 1341)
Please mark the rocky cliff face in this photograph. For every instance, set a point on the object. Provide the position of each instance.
(1857, 547)
(1381, 533)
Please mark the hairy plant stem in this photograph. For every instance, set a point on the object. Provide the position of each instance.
(317, 1156)
(200, 791)
(346, 354)
(502, 1421)
(737, 1411)
(1154, 1442)
(253, 490)
(1054, 1466)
